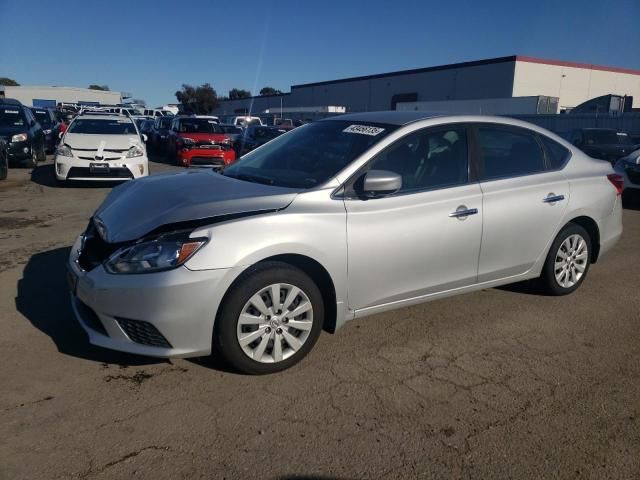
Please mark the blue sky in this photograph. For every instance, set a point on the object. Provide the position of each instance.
(150, 48)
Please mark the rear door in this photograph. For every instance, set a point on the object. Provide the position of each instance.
(524, 199)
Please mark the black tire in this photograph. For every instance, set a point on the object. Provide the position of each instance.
(548, 278)
(225, 340)
(4, 165)
(42, 154)
(33, 161)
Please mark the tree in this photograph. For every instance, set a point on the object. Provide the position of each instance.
(235, 94)
(200, 100)
(104, 88)
(269, 91)
(8, 82)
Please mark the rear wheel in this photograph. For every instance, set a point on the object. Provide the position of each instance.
(270, 319)
(568, 261)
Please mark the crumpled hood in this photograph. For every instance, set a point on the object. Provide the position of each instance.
(115, 142)
(136, 208)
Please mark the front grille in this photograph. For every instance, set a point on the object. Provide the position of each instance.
(89, 317)
(143, 333)
(215, 162)
(634, 175)
(95, 250)
(104, 159)
(83, 172)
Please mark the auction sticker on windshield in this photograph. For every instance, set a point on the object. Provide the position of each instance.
(364, 130)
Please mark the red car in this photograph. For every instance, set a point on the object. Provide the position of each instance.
(199, 142)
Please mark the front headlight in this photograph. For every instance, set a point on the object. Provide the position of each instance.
(20, 137)
(163, 253)
(64, 151)
(135, 151)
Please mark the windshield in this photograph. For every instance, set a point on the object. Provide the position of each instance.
(231, 129)
(198, 125)
(11, 117)
(606, 137)
(165, 122)
(102, 127)
(265, 132)
(43, 117)
(310, 155)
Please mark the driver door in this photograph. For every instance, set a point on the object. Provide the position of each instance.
(414, 242)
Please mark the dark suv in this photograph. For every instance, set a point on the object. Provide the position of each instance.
(50, 127)
(24, 135)
(603, 143)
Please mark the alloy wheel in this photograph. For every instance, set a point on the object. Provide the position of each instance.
(275, 323)
(571, 261)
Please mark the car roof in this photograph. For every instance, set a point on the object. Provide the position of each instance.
(393, 117)
(121, 118)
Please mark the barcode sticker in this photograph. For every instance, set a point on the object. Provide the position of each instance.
(364, 130)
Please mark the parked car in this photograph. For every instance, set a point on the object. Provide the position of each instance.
(253, 137)
(24, 135)
(231, 131)
(50, 127)
(339, 219)
(629, 168)
(157, 112)
(4, 159)
(243, 121)
(158, 140)
(603, 143)
(103, 148)
(199, 142)
(146, 129)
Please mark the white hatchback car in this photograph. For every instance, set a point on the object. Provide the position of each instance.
(99, 147)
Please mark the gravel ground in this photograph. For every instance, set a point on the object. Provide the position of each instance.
(496, 384)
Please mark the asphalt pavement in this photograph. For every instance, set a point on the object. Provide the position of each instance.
(501, 383)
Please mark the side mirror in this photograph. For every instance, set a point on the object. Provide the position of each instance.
(144, 137)
(60, 135)
(381, 182)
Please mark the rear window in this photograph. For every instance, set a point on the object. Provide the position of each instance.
(198, 125)
(556, 153)
(102, 127)
(509, 152)
(12, 117)
(42, 116)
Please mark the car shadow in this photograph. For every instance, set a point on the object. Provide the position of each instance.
(45, 175)
(43, 298)
(526, 287)
(631, 200)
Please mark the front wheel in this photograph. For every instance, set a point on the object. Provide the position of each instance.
(270, 319)
(568, 261)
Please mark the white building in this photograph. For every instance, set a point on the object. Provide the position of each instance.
(504, 77)
(43, 96)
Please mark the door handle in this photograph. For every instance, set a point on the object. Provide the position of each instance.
(552, 198)
(463, 211)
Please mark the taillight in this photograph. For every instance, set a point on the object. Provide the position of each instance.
(617, 181)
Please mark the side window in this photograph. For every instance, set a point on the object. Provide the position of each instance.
(556, 154)
(427, 159)
(509, 152)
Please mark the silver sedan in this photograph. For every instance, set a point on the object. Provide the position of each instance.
(335, 220)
